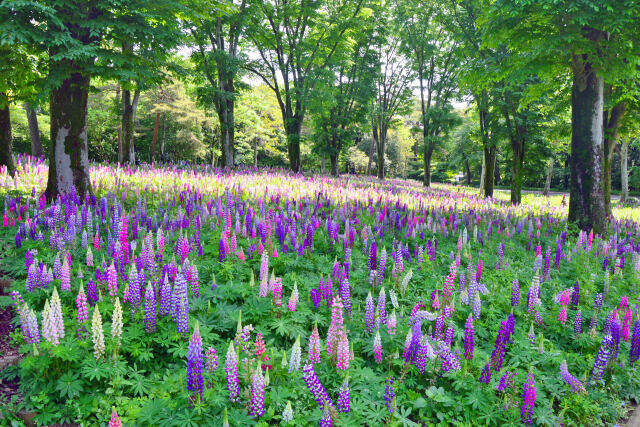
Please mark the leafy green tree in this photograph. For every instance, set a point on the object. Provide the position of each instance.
(295, 40)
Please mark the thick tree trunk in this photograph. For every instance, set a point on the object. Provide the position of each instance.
(624, 178)
(333, 158)
(518, 147)
(34, 131)
(428, 153)
(468, 171)
(127, 126)
(489, 170)
(612, 120)
(226, 117)
(547, 182)
(69, 158)
(586, 203)
(293, 128)
(155, 137)
(6, 141)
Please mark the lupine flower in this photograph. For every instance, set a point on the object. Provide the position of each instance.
(65, 276)
(293, 300)
(449, 360)
(485, 375)
(294, 361)
(528, 400)
(211, 360)
(615, 336)
(165, 297)
(468, 338)
(259, 347)
(335, 330)
(389, 395)
(343, 352)
(506, 380)
(257, 392)
(287, 414)
(382, 301)
(92, 293)
(97, 334)
(150, 308)
(114, 421)
(195, 382)
(391, 323)
(626, 325)
(369, 314)
(314, 346)
(81, 304)
(232, 373)
(577, 326)
(515, 293)
(573, 382)
(116, 321)
(377, 347)
(601, 359)
(344, 397)
(183, 316)
(112, 280)
(635, 343)
(56, 314)
(326, 420)
(448, 336)
(32, 327)
(314, 385)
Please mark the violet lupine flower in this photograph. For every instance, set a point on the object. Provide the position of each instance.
(497, 357)
(382, 301)
(344, 396)
(32, 327)
(450, 361)
(326, 420)
(369, 314)
(615, 336)
(439, 326)
(381, 266)
(373, 255)
(602, 358)
(81, 304)
(448, 335)
(345, 293)
(476, 306)
(231, 370)
(468, 338)
(529, 400)
(634, 354)
(314, 385)
(377, 347)
(134, 287)
(506, 380)
(92, 293)
(573, 382)
(211, 360)
(150, 308)
(575, 295)
(515, 293)
(183, 316)
(314, 346)
(257, 392)
(165, 297)
(577, 325)
(194, 367)
(389, 395)
(485, 375)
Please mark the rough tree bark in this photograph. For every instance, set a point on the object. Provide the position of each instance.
(382, 140)
(586, 203)
(482, 174)
(155, 137)
(612, 120)
(34, 131)
(6, 141)
(624, 153)
(489, 168)
(547, 182)
(68, 156)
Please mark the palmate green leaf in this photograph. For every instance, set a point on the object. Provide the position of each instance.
(69, 385)
(476, 399)
(153, 410)
(402, 415)
(93, 369)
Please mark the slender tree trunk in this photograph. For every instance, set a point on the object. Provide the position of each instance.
(482, 174)
(468, 172)
(489, 166)
(69, 156)
(428, 153)
(155, 137)
(374, 143)
(127, 126)
(256, 141)
(547, 183)
(119, 104)
(586, 203)
(624, 178)
(164, 131)
(34, 131)
(612, 120)
(382, 140)
(6, 141)
(518, 147)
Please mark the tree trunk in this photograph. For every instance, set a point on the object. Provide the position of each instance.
(547, 183)
(518, 147)
(428, 153)
(333, 158)
(34, 131)
(256, 141)
(293, 127)
(586, 202)
(225, 107)
(155, 137)
(132, 144)
(489, 165)
(164, 129)
(612, 120)
(68, 156)
(382, 139)
(127, 126)
(482, 174)
(624, 178)
(119, 106)
(6, 141)
(374, 143)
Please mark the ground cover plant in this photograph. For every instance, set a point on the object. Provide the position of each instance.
(189, 296)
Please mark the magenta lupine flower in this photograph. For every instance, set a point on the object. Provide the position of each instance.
(231, 370)
(112, 280)
(635, 343)
(515, 293)
(528, 400)
(343, 352)
(573, 382)
(211, 360)
(336, 328)
(485, 375)
(314, 385)
(194, 367)
(377, 347)
(257, 392)
(602, 358)
(468, 338)
(344, 397)
(150, 308)
(479, 271)
(81, 304)
(293, 300)
(626, 325)
(389, 395)
(314, 346)
(506, 380)
(435, 301)
(369, 314)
